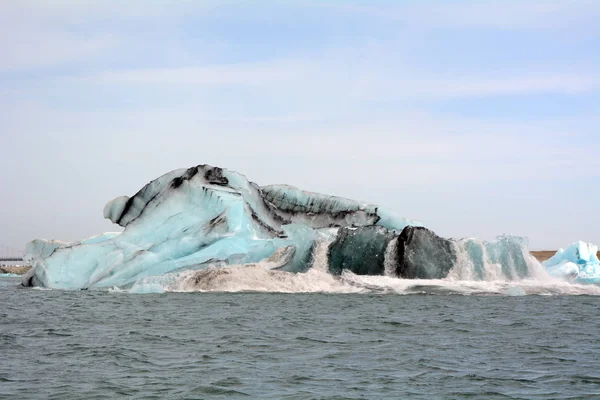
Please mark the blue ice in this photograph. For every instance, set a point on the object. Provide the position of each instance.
(191, 218)
(578, 263)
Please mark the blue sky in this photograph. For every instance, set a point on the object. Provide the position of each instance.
(476, 117)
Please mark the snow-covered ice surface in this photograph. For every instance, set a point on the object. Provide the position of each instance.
(210, 229)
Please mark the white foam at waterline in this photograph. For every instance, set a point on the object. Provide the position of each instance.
(260, 278)
(320, 254)
(384, 284)
(464, 267)
(256, 278)
(389, 264)
(493, 271)
(536, 269)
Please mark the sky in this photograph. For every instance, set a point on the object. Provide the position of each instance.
(477, 118)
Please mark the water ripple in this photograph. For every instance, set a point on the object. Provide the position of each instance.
(69, 345)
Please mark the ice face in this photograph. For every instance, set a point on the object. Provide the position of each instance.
(423, 254)
(578, 262)
(506, 257)
(191, 218)
(418, 253)
(360, 250)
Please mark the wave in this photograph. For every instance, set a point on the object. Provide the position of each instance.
(260, 277)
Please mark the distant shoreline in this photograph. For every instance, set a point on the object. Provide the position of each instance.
(14, 269)
(544, 255)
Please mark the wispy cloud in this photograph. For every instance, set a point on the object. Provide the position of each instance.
(232, 74)
(37, 35)
(364, 80)
(418, 147)
(506, 85)
(504, 14)
(381, 100)
(72, 11)
(33, 49)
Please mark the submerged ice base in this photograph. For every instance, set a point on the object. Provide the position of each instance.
(189, 222)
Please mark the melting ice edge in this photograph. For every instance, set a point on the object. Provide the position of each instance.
(191, 227)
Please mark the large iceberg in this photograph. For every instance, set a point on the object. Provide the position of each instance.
(192, 218)
(208, 217)
(577, 263)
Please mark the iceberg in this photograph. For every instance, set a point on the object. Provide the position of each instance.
(577, 263)
(193, 224)
(189, 219)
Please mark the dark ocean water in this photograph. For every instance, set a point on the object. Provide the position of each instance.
(97, 345)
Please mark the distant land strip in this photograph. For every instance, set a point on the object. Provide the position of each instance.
(14, 269)
(544, 255)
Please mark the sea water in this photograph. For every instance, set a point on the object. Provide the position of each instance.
(429, 340)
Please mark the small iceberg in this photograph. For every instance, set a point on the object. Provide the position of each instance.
(577, 263)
